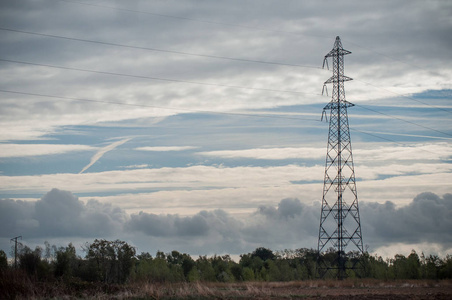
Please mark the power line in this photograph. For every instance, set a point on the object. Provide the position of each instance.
(403, 120)
(196, 111)
(156, 78)
(157, 49)
(237, 26)
(15, 249)
(181, 53)
(191, 19)
(406, 134)
(390, 140)
(153, 106)
(405, 96)
(387, 56)
(199, 83)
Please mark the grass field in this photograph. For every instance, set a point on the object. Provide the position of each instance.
(348, 289)
(312, 289)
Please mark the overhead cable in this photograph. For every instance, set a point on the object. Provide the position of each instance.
(158, 78)
(157, 49)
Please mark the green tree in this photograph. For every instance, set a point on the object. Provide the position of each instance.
(29, 260)
(307, 261)
(273, 271)
(3, 261)
(161, 272)
(193, 275)
(430, 266)
(413, 266)
(66, 261)
(205, 269)
(248, 274)
(113, 259)
(375, 267)
(143, 267)
(181, 261)
(398, 266)
(263, 253)
(221, 265)
(446, 268)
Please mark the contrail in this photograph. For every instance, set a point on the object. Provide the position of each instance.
(102, 151)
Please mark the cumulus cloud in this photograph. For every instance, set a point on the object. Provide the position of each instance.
(289, 224)
(59, 214)
(428, 218)
(168, 225)
(16, 217)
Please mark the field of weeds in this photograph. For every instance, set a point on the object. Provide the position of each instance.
(349, 289)
(313, 289)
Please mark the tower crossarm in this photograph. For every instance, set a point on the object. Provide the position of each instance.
(334, 79)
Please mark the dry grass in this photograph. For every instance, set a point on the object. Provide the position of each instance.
(18, 286)
(332, 289)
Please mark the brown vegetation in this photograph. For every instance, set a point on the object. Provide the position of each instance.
(15, 285)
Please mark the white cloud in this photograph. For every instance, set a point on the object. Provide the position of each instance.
(413, 152)
(369, 172)
(182, 190)
(194, 177)
(269, 153)
(140, 166)
(405, 249)
(164, 149)
(25, 150)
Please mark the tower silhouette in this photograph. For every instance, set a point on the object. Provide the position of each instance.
(340, 224)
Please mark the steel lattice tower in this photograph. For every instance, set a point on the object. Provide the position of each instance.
(339, 219)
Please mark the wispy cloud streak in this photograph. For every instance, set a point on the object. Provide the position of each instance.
(102, 151)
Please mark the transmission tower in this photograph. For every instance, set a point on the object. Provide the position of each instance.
(339, 219)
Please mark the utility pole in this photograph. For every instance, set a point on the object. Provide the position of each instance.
(15, 249)
(339, 217)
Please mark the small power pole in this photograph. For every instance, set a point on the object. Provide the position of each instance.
(339, 217)
(15, 249)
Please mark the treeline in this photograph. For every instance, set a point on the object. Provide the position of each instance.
(117, 262)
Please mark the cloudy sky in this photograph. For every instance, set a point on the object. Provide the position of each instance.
(195, 125)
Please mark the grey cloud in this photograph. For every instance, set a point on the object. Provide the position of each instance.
(59, 214)
(148, 30)
(290, 224)
(290, 208)
(200, 224)
(15, 217)
(287, 208)
(168, 225)
(297, 32)
(428, 218)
